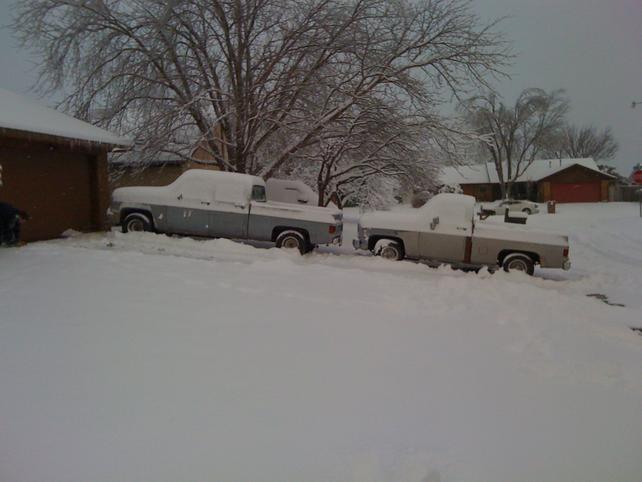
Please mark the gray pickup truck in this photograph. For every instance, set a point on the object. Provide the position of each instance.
(444, 230)
(224, 205)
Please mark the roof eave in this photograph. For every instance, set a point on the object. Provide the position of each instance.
(574, 165)
(57, 139)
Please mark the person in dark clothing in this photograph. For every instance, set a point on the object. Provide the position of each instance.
(10, 219)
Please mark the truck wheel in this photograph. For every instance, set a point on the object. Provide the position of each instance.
(136, 222)
(527, 211)
(292, 240)
(519, 262)
(392, 251)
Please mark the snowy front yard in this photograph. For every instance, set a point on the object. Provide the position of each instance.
(131, 358)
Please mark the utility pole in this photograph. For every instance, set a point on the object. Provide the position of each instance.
(633, 104)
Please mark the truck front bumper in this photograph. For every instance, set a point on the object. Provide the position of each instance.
(362, 238)
(360, 243)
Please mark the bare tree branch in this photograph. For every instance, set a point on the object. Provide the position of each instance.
(516, 135)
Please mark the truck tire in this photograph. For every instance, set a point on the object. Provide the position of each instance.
(392, 251)
(292, 240)
(527, 211)
(519, 262)
(136, 222)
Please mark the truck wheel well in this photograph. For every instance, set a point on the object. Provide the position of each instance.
(502, 255)
(279, 229)
(127, 211)
(373, 240)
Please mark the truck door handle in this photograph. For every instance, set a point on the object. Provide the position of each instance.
(239, 205)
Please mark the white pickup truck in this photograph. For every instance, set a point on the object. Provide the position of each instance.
(444, 230)
(224, 205)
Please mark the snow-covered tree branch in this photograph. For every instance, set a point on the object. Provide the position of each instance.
(258, 83)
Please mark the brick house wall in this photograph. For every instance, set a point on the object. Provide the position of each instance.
(482, 192)
(60, 184)
(574, 184)
(590, 185)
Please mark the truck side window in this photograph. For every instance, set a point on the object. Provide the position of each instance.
(258, 194)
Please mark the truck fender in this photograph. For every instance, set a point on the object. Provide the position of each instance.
(376, 242)
(136, 208)
(279, 230)
(507, 252)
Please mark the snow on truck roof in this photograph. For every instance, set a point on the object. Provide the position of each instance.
(487, 174)
(220, 176)
(452, 205)
(28, 115)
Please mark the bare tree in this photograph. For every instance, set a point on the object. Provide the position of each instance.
(375, 138)
(236, 76)
(518, 134)
(586, 141)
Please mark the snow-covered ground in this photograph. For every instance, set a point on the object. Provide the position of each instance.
(146, 358)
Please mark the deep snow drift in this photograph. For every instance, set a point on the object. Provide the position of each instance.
(146, 358)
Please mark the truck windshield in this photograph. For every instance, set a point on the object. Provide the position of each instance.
(258, 194)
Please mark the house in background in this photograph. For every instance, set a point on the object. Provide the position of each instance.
(561, 180)
(54, 167)
(127, 169)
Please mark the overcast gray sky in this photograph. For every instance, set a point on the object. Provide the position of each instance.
(591, 48)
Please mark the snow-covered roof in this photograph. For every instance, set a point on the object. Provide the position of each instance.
(487, 174)
(477, 174)
(174, 154)
(27, 115)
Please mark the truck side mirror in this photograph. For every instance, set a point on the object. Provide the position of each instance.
(434, 223)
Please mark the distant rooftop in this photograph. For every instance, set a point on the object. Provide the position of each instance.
(487, 174)
(27, 115)
(172, 154)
